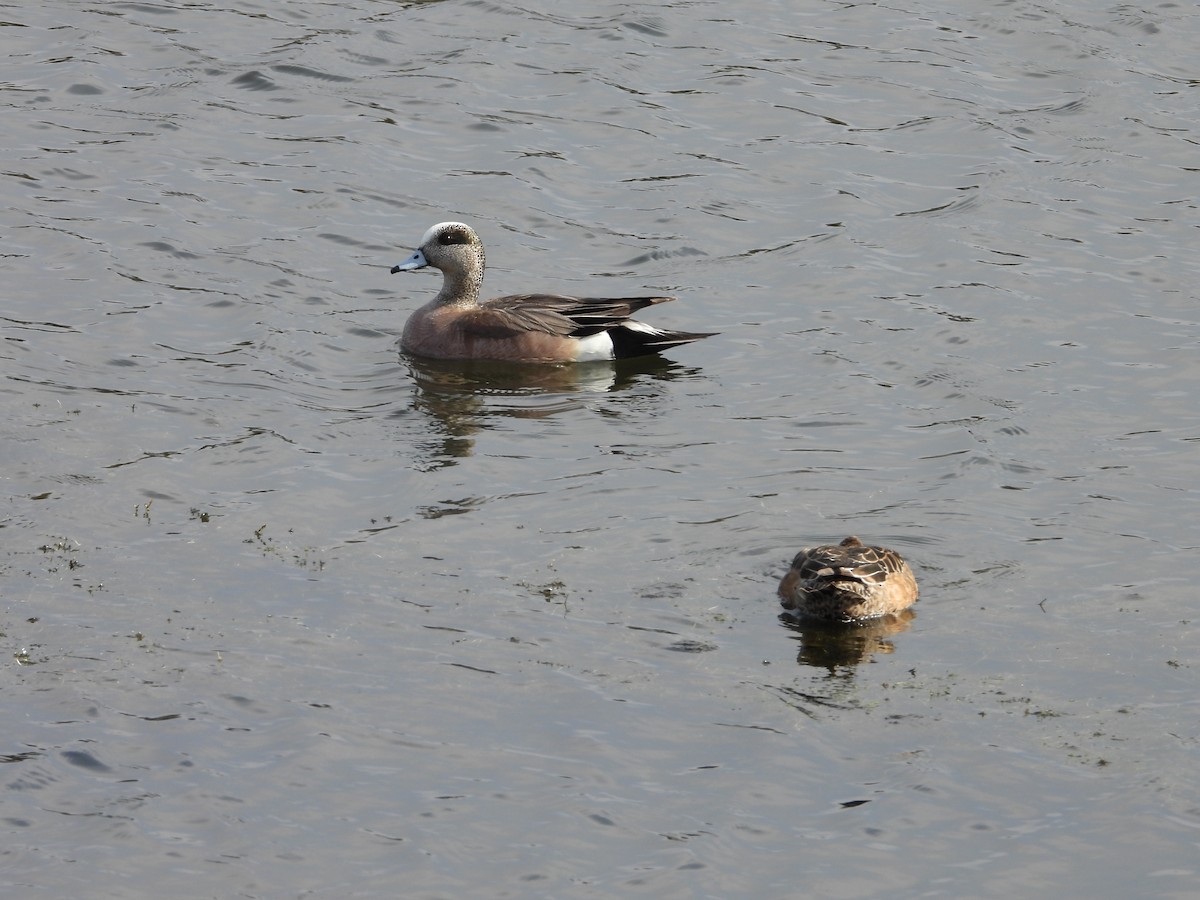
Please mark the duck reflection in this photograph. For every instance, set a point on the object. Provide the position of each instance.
(461, 396)
(833, 645)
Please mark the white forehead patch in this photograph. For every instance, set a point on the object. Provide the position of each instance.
(433, 232)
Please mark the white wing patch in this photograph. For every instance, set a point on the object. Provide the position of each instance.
(638, 325)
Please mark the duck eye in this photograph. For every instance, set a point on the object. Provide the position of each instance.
(453, 236)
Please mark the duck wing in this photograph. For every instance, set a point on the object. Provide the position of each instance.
(850, 559)
(506, 317)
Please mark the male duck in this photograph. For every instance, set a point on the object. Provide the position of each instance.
(545, 328)
(846, 582)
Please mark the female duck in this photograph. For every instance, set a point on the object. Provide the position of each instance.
(544, 328)
(846, 582)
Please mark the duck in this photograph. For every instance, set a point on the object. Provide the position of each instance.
(846, 582)
(536, 328)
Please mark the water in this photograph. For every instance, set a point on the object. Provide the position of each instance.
(289, 615)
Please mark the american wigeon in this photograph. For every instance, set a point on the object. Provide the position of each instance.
(522, 327)
(847, 581)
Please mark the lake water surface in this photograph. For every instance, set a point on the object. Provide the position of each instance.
(288, 615)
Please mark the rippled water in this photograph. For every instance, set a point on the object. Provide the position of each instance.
(289, 615)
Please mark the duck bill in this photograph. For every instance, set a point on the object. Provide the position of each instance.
(416, 261)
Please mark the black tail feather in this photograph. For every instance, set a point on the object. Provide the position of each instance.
(638, 339)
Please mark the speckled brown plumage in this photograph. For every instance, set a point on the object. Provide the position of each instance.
(847, 581)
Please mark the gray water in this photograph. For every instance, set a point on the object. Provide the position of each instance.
(287, 615)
